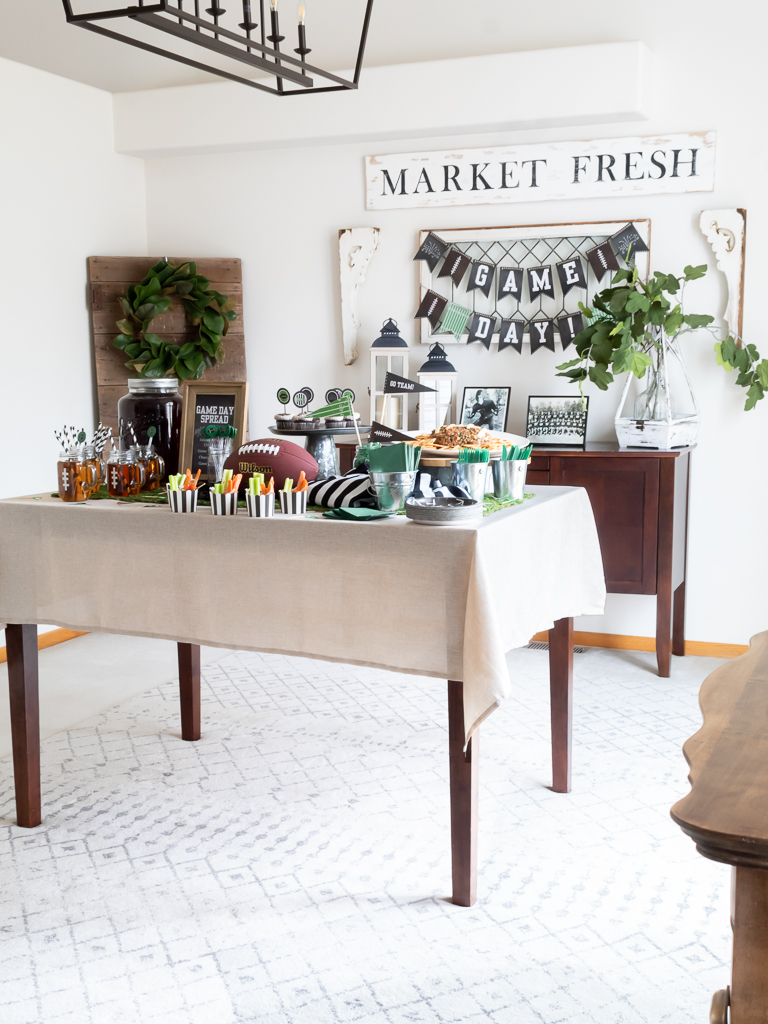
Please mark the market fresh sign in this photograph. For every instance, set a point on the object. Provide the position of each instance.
(554, 170)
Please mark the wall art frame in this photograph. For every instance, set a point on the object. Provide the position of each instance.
(485, 407)
(557, 420)
(527, 247)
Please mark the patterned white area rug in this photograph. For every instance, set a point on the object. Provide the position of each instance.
(293, 866)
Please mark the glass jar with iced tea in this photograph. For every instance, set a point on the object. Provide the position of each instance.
(75, 476)
(125, 475)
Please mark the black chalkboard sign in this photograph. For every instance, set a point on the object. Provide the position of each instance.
(214, 408)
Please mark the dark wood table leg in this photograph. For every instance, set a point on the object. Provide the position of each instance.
(464, 787)
(189, 690)
(749, 973)
(678, 621)
(21, 648)
(561, 702)
(664, 629)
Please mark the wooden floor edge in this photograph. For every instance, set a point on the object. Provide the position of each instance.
(618, 642)
(49, 639)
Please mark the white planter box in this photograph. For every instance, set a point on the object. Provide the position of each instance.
(657, 433)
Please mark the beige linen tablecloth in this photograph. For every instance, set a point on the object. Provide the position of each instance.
(443, 602)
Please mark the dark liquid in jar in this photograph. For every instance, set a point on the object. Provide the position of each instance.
(162, 411)
(73, 481)
(154, 473)
(122, 480)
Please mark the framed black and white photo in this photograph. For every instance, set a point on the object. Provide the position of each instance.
(556, 419)
(485, 407)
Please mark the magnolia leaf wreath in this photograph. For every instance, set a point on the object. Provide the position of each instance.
(209, 311)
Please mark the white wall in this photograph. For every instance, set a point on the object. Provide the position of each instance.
(66, 195)
(280, 211)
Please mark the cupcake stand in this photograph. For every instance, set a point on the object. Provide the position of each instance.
(321, 446)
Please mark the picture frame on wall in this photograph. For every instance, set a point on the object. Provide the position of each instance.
(557, 420)
(485, 407)
(210, 404)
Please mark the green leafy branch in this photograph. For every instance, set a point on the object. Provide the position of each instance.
(627, 321)
(208, 310)
(753, 371)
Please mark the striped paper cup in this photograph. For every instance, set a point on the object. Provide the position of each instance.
(181, 501)
(293, 503)
(260, 506)
(223, 504)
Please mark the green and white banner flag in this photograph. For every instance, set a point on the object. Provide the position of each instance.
(341, 408)
(454, 320)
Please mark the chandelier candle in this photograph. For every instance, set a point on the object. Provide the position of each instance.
(302, 48)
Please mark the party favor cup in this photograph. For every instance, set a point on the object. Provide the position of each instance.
(471, 477)
(293, 503)
(182, 501)
(223, 504)
(392, 489)
(260, 506)
(509, 478)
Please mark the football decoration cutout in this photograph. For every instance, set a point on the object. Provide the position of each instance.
(273, 456)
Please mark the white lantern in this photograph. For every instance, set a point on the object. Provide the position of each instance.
(389, 353)
(437, 407)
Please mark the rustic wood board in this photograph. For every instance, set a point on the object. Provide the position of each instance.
(109, 277)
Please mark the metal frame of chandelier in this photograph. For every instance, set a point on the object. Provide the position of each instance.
(174, 20)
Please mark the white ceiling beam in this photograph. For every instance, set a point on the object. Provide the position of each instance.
(599, 84)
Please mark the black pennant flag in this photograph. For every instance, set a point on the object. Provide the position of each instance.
(569, 326)
(433, 248)
(572, 275)
(510, 282)
(542, 334)
(386, 434)
(511, 334)
(626, 238)
(540, 282)
(432, 308)
(481, 328)
(602, 259)
(455, 266)
(481, 276)
(394, 385)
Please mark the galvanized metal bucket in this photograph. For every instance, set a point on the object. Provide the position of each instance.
(392, 489)
(471, 477)
(509, 479)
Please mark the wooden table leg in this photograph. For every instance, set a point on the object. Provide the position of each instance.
(678, 621)
(561, 702)
(664, 630)
(21, 647)
(464, 786)
(749, 984)
(189, 690)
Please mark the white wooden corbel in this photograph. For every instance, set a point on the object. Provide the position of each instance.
(726, 232)
(356, 249)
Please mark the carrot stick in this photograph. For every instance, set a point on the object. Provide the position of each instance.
(234, 484)
(271, 487)
(197, 477)
(302, 484)
(187, 485)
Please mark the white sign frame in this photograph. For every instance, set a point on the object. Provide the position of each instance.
(638, 165)
(600, 230)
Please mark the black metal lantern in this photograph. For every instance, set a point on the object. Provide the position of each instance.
(228, 40)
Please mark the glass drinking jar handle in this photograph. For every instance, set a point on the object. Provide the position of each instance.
(139, 472)
(160, 462)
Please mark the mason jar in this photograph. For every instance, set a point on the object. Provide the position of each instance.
(152, 403)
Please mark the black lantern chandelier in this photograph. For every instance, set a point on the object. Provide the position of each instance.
(253, 45)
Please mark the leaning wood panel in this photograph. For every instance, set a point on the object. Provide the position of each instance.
(109, 277)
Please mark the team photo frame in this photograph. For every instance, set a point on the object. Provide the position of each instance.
(557, 420)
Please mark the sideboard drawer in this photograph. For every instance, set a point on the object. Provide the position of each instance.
(538, 464)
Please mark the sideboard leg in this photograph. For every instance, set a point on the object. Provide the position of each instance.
(664, 630)
(189, 690)
(561, 702)
(678, 621)
(464, 789)
(749, 980)
(21, 648)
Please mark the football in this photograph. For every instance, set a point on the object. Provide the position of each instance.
(273, 456)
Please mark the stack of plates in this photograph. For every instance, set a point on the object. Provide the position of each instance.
(443, 511)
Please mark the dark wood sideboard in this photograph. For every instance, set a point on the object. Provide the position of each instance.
(640, 500)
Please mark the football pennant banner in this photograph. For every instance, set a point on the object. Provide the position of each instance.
(395, 385)
(511, 335)
(481, 329)
(432, 307)
(542, 334)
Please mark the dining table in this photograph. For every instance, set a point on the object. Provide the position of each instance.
(442, 603)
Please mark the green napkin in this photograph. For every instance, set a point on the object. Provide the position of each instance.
(394, 458)
(356, 515)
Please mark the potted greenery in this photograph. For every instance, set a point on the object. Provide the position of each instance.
(634, 328)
